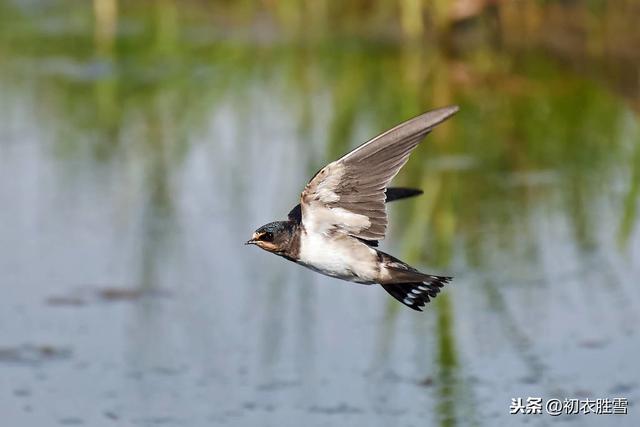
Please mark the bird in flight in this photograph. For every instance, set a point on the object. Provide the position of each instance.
(342, 215)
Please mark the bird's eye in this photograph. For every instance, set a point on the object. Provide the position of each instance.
(267, 237)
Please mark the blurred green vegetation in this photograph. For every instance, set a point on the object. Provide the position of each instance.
(548, 90)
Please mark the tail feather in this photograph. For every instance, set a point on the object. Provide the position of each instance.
(416, 294)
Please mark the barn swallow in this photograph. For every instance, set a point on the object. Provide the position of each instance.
(342, 215)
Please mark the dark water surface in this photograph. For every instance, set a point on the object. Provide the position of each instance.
(135, 163)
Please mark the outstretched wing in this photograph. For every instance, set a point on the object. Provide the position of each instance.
(348, 195)
(392, 194)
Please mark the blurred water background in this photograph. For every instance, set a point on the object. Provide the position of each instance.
(142, 142)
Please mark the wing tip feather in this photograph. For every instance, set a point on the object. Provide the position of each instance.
(437, 116)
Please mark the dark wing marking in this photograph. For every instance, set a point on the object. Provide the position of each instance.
(392, 193)
(416, 295)
(372, 243)
(348, 195)
(295, 214)
(398, 193)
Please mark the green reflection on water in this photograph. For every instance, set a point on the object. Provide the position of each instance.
(447, 358)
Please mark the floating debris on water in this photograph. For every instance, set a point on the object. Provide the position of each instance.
(29, 354)
(86, 296)
(340, 409)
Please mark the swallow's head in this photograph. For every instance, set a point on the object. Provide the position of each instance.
(273, 237)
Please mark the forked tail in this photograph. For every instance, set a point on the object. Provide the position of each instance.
(416, 294)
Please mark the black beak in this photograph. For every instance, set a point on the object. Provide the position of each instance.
(250, 242)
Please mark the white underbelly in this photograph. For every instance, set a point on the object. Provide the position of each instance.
(345, 258)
